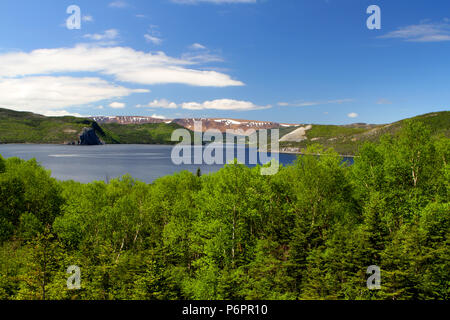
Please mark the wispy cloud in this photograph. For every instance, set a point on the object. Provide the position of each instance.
(197, 46)
(153, 39)
(201, 54)
(423, 32)
(313, 103)
(202, 57)
(353, 115)
(110, 34)
(153, 35)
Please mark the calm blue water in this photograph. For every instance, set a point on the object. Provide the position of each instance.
(92, 163)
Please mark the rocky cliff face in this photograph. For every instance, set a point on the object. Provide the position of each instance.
(88, 137)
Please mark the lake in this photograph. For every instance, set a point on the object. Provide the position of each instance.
(93, 163)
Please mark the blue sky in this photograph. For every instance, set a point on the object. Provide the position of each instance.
(294, 61)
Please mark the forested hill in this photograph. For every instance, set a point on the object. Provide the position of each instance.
(348, 139)
(27, 127)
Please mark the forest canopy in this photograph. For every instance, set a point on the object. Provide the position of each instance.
(308, 232)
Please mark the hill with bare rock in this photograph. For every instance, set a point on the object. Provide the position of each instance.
(128, 119)
(221, 124)
(26, 127)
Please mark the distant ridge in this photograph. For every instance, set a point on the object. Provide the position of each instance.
(27, 127)
(127, 119)
(221, 124)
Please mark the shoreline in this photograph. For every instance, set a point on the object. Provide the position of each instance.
(155, 144)
(317, 154)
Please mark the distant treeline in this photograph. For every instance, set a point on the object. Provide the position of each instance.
(308, 232)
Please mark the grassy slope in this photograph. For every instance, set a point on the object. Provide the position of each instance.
(26, 127)
(347, 139)
(149, 133)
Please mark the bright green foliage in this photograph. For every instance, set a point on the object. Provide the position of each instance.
(2, 165)
(308, 232)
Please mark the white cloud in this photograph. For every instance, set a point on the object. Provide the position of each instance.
(223, 104)
(153, 39)
(124, 64)
(110, 34)
(61, 113)
(158, 116)
(213, 1)
(118, 4)
(46, 94)
(27, 80)
(197, 46)
(313, 103)
(423, 32)
(117, 105)
(162, 103)
(219, 104)
(352, 115)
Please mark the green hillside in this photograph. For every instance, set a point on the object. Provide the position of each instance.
(27, 127)
(148, 133)
(347, 139)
